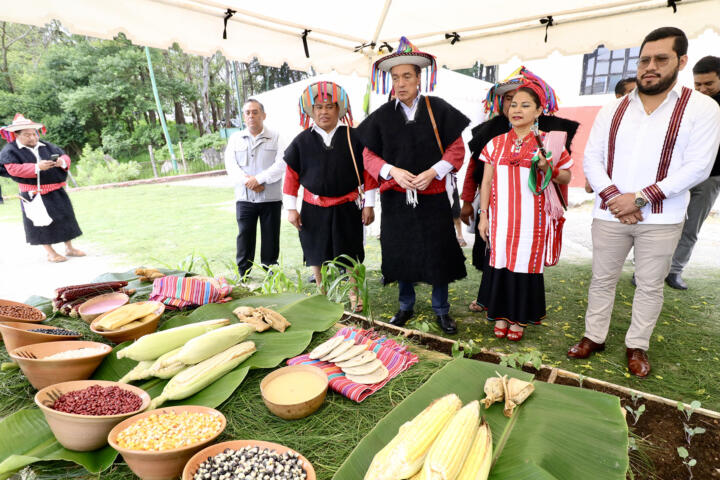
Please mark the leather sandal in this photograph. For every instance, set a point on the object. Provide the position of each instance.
(74, 253)
(476, 307)
(57, 258)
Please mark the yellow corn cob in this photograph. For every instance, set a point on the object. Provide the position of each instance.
(209, 344)
(408, 455)
(376, 471)
(450, 449)
(140, 372)
(193, 379)
(126, 314)
(477, 464)
(150, 347)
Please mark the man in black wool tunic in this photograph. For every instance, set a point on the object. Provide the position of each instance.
(412, 143)
(32, 163)
(339, 196)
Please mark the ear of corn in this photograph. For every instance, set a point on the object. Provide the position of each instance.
(209, 344)
(450, 449)
(376, 471)
(407, 456)
(150, 347)
(193, 379)
(166, 371)
(140, 372)
(477, 464)
(126, 314)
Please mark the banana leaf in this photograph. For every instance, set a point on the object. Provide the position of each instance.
(559, 433)
(307, 314)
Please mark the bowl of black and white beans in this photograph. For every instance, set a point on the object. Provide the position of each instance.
(239, 459)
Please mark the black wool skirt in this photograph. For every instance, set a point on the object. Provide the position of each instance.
(419, 244)
(328, 232)
(480, 252)
(517, 298)
(64, 226)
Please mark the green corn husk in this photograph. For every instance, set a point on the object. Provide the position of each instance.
(193, 379)
(209, 344)
(140, 372)
(152, 346)
(160, 370)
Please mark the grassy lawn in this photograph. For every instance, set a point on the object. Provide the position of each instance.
(164, 224)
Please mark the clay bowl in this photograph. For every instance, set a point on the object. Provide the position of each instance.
(213, 450)
(83, 433)
(294, 408)
(10, 318)
(166, 464)
(133, 333)
(42, 373)
(18, 334)
(104, 303)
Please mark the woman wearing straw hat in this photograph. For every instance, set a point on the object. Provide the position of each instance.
(338, 198)
(40, 168)
(412, 144)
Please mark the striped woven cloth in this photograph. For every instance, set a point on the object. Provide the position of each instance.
(180, 292)
(394, 356)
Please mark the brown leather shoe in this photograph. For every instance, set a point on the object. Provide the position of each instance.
(638, 362)
(585, 348)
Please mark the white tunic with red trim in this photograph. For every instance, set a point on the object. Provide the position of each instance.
(518, 225)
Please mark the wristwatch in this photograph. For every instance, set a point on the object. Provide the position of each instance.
(640, 200)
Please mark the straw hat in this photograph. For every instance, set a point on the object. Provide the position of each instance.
(406, 54)
(19, 123)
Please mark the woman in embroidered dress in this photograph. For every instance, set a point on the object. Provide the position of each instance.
(512, 215)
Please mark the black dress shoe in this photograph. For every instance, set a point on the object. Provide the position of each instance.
(401, 317)
(446, 323)
(676, 281)
(632, 280)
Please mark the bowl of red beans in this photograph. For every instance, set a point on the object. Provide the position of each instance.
(81, 413)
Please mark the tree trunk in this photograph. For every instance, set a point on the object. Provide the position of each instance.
(179, 115)
(205, 94)
(214, 111)
(153, 117)
(228, 89)
(198, 119)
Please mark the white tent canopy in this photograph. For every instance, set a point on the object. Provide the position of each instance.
(489, 31)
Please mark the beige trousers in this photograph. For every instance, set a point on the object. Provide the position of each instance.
(654, 247)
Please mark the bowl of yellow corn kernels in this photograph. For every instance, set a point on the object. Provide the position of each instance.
(157, 444)
(129, 322)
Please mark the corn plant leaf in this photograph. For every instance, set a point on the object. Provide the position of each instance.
(559, 432)
(307, 314)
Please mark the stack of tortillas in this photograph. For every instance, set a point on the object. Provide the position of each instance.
(359, 364)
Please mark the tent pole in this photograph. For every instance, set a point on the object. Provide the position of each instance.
(160, 111)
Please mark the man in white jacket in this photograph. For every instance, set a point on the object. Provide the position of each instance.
(254, 160)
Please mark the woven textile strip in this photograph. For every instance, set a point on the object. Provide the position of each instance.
(178, 292)
(670, 139)
(614, 127)
(394, 356)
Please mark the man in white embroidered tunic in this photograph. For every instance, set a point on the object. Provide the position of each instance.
(645, 151)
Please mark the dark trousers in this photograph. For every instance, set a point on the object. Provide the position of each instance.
(247, 214)
(439, 299)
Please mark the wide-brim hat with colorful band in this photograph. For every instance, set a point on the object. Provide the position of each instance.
(324, 90)
(521, 77)
(19, 123)
(406, 54)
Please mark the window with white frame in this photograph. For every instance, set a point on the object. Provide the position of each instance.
(604, 68)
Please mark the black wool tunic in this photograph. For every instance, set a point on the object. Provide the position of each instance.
(64, 226)
(418, 243)
(328, 232)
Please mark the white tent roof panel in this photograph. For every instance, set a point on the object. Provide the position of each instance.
(491, 31)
